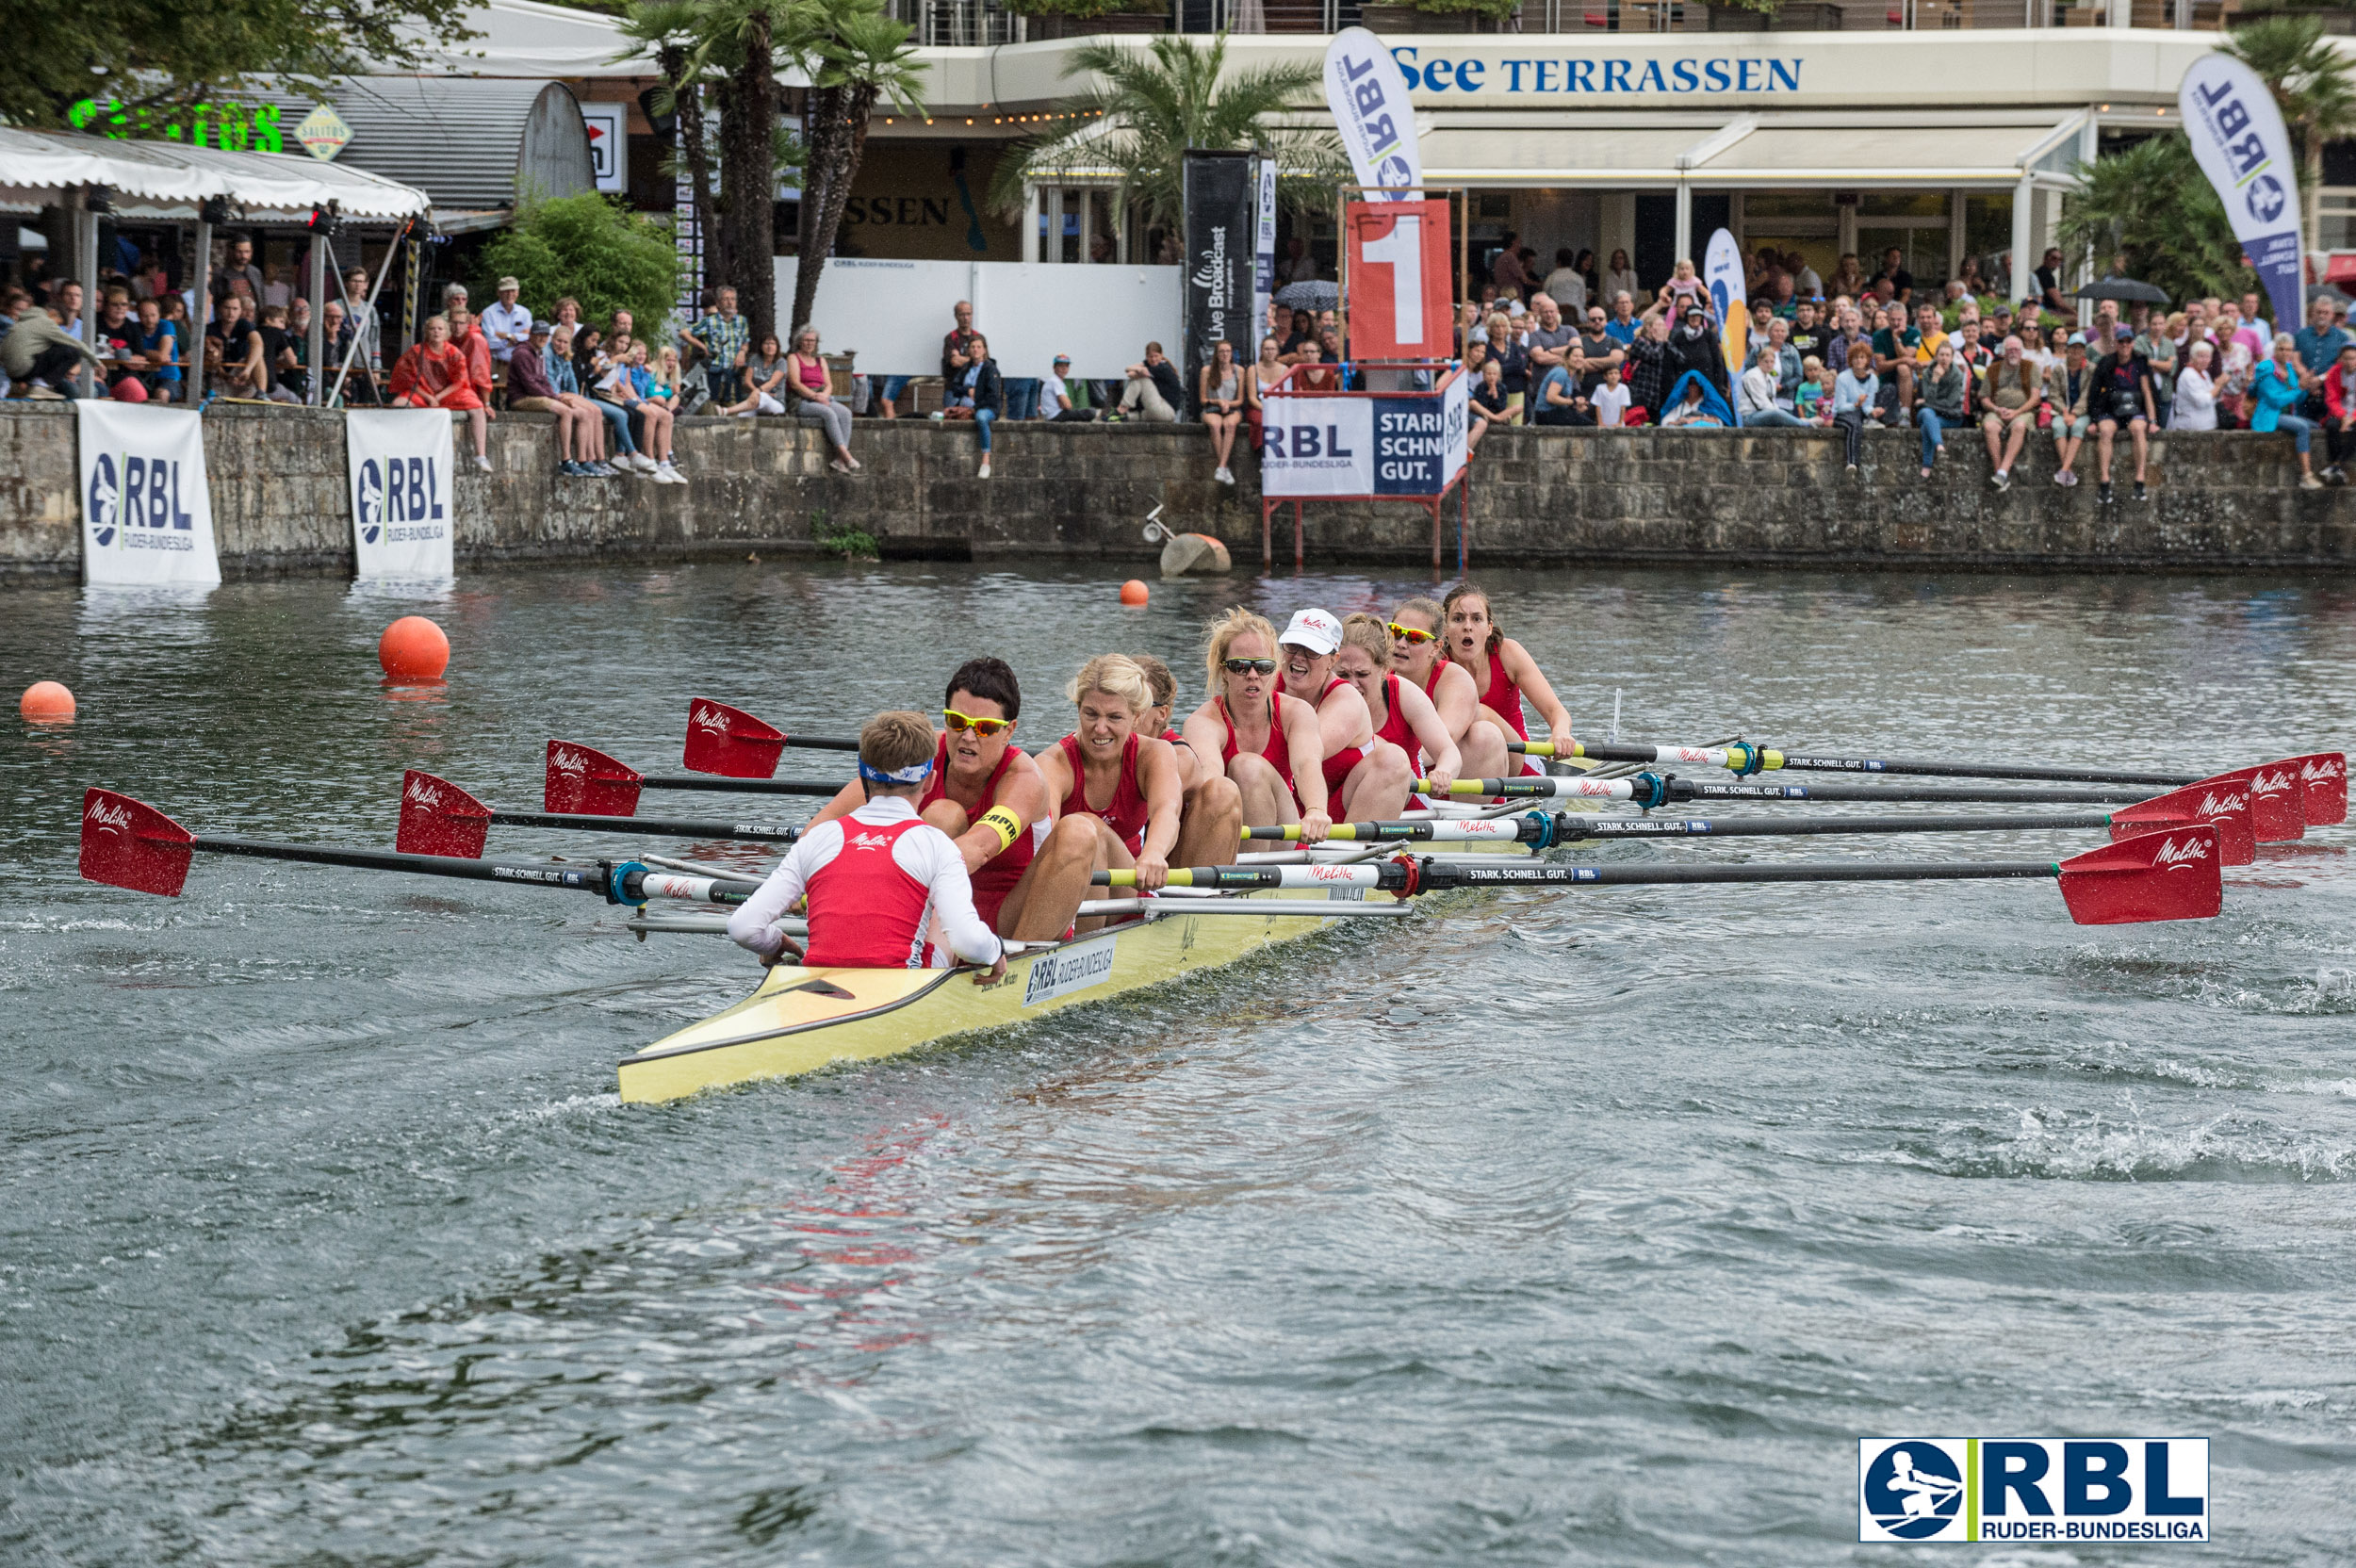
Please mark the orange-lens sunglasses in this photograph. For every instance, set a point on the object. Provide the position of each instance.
(986, 729)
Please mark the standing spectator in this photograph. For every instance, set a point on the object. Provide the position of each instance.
(2339, 404)
(1549, 340)
(1506, 271)
(2194, 406)
(2048, 274)
(237, 266)
(721, 337)
(1809, 402)
(66, 305)
(1854, 392)
(764, 373)
(275, 290)
(1055, 392)
(1151, 389)
(1508, 347)
(1894, 273)
(2158, 346)
(1683, 288)
(1695, 347)
(245, 373)
(434, 374)
(506, 325)
(958, 345)
(1221, 394)
(1611, 400)
(1299, 266)
(1942, 404)
(2319, 344)
(1808, 336)
(1648, 357)
(978, 393)
(1565, 285)
(2275, 390)
(2069, 392)
(2011, 392)
(2033, 347)
(1623, 325)
(1487, 405)
(1619, 277)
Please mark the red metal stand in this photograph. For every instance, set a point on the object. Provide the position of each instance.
(1460, 484)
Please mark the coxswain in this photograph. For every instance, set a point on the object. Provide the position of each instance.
(1255, 732)
(1419, 656)
(880, 881)
(1369, 780)
(1210, 813)
(1402, 715)
(1503, 668)
(988, 797)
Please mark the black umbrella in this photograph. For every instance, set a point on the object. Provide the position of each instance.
(1313, 294)
(2122, 288)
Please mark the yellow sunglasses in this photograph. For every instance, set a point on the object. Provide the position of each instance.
(1411, 636)
(986, 729)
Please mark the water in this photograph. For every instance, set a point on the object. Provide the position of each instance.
(1588, 1227)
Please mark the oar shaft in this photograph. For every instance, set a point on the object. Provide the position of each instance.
(1647, 790)
(1808, 763)
(1651, 874)
(824, 743)
(1572, 826)
(748, 832)
(586, 878)
(713, 783)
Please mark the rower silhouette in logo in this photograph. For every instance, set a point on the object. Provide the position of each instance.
(2265, 199)
(1913, 1489)
(105, 501)
(372, 501)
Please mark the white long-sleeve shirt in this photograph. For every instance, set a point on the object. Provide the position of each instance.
(2195, 408)
(925, 852)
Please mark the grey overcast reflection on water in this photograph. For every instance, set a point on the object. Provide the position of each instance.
(1589, 1227)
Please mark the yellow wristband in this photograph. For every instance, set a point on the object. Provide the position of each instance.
(1002, 822)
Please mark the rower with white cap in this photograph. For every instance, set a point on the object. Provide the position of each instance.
(1369, 779)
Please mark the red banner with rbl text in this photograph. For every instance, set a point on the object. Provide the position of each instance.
(1399, 280)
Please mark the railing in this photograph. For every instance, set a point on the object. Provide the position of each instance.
(1699, 16)
(958, 23)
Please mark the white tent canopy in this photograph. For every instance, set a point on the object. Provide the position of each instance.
(167, 178)
(523, 38)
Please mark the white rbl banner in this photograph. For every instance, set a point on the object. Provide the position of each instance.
(147, 515)
(399, 464)
(1392, 444)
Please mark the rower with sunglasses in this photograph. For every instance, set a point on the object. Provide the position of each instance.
(1256, 733)
(989, 798)
(1418, 655)
(1366, 777)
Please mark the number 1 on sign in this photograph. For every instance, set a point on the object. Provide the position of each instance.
(1402, 250)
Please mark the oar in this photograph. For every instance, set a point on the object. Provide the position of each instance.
(584, 781)
(1649, 789)
(129, 843)
(2226, 808)
(2320, 776)
(2151, 876)
(440, 818)
(734, 744)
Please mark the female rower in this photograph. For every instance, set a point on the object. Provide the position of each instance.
(1255, 732)
(1106, 771)
(1370, 780)
(1402, 715)
(1503, 665)
(1210, 816)
(1419, 656)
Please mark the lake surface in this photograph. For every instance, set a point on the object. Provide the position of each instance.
(1568, 1227)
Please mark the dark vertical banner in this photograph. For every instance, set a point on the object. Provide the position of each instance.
(1220, 225)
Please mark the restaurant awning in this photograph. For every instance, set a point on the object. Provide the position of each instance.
(166, 180)
(1461, 154)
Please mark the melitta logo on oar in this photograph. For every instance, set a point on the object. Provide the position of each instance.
(2171, 852)
(114, 818)
(730, 741)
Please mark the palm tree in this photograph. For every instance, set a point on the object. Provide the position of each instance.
(2152, 208)
(1146, 109)
(855, 56)
(2310, 83)
(672, 29)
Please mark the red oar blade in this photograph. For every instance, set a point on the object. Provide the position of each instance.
(2275, 808)
(2323, 777)
(440, 818)
(730, 741)
(584, 781)
(127, 844)
(2174, 875)
(2223, 806)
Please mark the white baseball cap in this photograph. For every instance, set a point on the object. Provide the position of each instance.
(1314, 630)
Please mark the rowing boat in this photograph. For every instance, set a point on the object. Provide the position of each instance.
(803, 1018)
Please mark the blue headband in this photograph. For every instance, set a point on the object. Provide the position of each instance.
(914, 775)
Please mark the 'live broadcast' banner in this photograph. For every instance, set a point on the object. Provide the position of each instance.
(399, 462)
(1397, 444)
(147, 512)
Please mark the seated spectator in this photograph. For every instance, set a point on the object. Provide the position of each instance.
(977, 392)
(1302, 342)
(1943, 402)
(624, 412)
(764, 376)
(589, 425)
(1854, 392)
(2124, 396)
(1151, 390)
(2157, 343)
(1783, 364)
(1895, 345)
(1692, 406)
(1056, 403)
(630, 384)
(1221, 393)
(39, 355)
(2069, 387)
(2339, 410)
(1486, 404)
(529, 391)
(1755, 401)
(2195, 404)
(466, 336)
(1611, 400)
(434, 374)
(1550, 340)
(1558, 400)
(2275, 391)
(1597, 352)
(1623, 324)
(156, 344)
(2011, 393)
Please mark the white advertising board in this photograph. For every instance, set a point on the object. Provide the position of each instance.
(399, 462)
(896, 313)
(147, 511)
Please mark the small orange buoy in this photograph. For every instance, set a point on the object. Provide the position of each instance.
(45, 702)
(412, 649)
(1133, 592)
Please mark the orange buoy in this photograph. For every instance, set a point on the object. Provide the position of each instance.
(412, 649)
(45, 702)
(1133, 592)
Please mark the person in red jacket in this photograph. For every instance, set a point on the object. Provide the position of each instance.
(434, 374)
(2339, 407)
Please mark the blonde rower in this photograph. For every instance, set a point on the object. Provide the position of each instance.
(1108, 774)
(1403, 717)
(1211, 819)
(1507, 673)
(1418, 655)
(1255, 732)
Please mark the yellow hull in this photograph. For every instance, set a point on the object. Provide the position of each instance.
(802, 1020)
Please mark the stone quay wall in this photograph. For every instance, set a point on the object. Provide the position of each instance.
(1082, 492)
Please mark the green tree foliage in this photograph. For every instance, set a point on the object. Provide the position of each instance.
(163, 54)
(856, 58)
(2152, 209)
(1145, 108)
(2309, 79)
(591, 248)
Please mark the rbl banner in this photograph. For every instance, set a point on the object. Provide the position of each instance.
(1399, 280)
(147, 513)
(399, 464)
